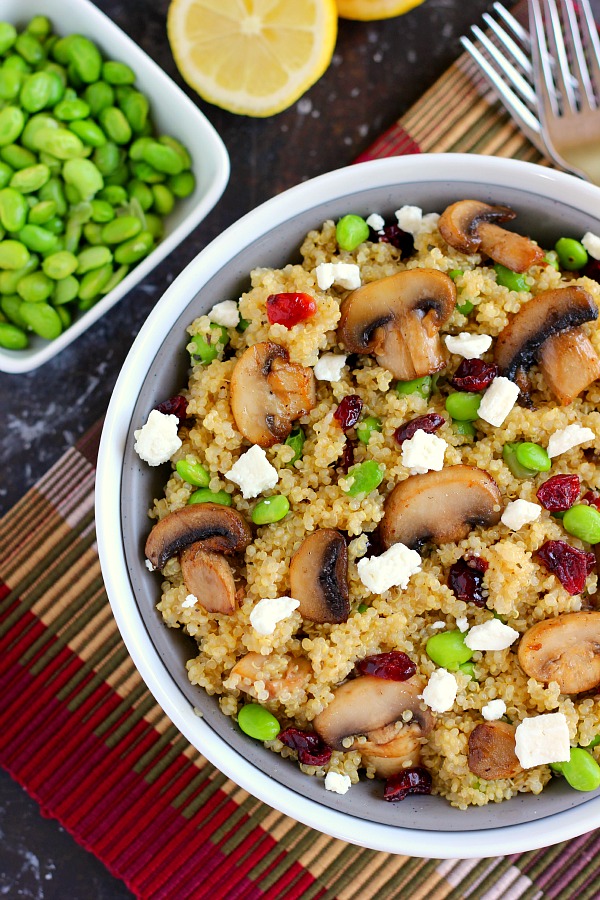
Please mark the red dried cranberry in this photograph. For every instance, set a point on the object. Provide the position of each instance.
(290, 309)
(411, 781)
(348, 412)
(393, 234)
(429, 423)
(474, 375)
(592, 270)
(347, 458)
(311, 749)
(393, 666)
(570, 565)
(559, 492)
(465, 579)
(174, 406)
(592, 498)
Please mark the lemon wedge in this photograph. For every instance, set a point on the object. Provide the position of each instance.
(367, 10)
(254, 57)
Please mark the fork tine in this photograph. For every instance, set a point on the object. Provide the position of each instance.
(506, 41)
(578, 55)
(588, 34)
(542, 70)
(511, 74)
(562, 74)
(517, 29)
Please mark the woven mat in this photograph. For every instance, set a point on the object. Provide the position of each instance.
(96, 751)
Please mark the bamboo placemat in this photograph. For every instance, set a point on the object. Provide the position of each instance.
(82, 734)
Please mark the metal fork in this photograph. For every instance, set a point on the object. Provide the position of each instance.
(569, 113)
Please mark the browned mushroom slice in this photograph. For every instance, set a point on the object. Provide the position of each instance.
(569, 364)
(209, 578)
(492, 751)
(397, 319)
(470, 225)
(219, 528)
(250, 669)
(565, 649)
(366, 704)
(396, 747)
(440, 507)
(268, 393)
(319, 577)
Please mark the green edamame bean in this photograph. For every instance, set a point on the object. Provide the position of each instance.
(107, 158)
(10, 83)
(17, 157)
(117, 72)
(35, 288)
(6, 174)
(465, 429)
(365, 429)
(132, 251)
(43, 319)
(12, 122)
(65, 290)
(164, 201)
(13, 254)
(182, 185)
(10, 278)
(99, 96)
(59, 265)
(55, 225)
(17, 63)
(93, 258)
(467, 668)
(532, 457)
(581, 770)
(29, 137)
(73, 233)
(155, 226)
(136, 150)
(102, 212)
(60, 142)
(92, 283)
(115, 279)
(463, 406)
(161, 157)
(13, 209)
(115, 194)
(455, 273)
(465, 308)
(53, 190)
(39, 26)
(123, 228)
(84, 176)
(12, 337)
(135, 107)
(193, 472)
(552, 259)
(64, 315)
(29, 48)
(583, 522)
(60, 50)
(270, 509)
(364, 478)
(92, 232)
(205, 348)
(120, 176)
(594, 742)
(37, 238)
(8, 35)
(41, 212)
(57, 88)
(572, 255)
(11, 306)
(423, 386)
(295, 440)
(142, 193)
(257, 722)
(169, 141)
(147, 173)
(70, 109)
(85, 58)
(30, 179)
(350, 231)
(36, 91)
(90, 133)
(115, 124)
(509, 279)
(509, 455)
(448, 650)
(204, 495)
(72, 194)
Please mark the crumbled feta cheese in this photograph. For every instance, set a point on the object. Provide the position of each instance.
(157, 440)
(591, 242)
(225, 313)
(329, 366)
(542, 739)
(339, 784)
(438, 625)
(493, 710)
(462, 623)
(410, 218)
(393, 568)
(440, 692)
(567, 438)
(492, 635)
(471, 346)
(519, 513)
(376, 222)
(423, 452)
(253, 473)
(498, 401)
(149, 566)
(189, 601)
(267, 613)
(347, 275)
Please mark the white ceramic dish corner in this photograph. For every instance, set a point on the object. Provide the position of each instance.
(549, 204)
(172, 112)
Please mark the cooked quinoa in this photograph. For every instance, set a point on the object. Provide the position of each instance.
(518, 588)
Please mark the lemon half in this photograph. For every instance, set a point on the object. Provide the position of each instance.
(367, 10)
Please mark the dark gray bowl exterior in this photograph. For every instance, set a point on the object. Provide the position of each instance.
(544, 219)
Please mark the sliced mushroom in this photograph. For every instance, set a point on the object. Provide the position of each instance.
(470, 226)
(268, 393)
(565, 649)
(208, 576)
(545, 331)
(250, 666)
(391, 749)
(319, 577)
(219, 528)
(365, 704)
(397, 319)
(440, 507)
(492, 751)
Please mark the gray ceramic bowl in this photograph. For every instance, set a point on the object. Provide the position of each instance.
(549, 205)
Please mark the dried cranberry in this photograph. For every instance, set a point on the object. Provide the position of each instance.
(411, 781)
(465, 579)
(474, 375)
(429, 423)
(393, 666)
(570, 565)
(592, 498)
(347, 458)
(559, 492)
(393, 234)
(290, 309)
(174, 406)
(592, 270)
(348, 412)
(311, 749)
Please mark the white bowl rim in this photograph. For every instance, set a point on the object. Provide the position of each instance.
(376, 173)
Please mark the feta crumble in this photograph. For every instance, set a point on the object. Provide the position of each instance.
(519, 513)
(376, 222)
(462, 623)
(567, 438)
(268, 612)
(471, 346)
(393, 568)
(492, 635)
(542, 739)
(438, 625)
(339, 784)
(412, 220)
(189, 601)
(157, 440)
(329, 367)
(493, 710)
(253, 473)
(498, 401)
(423, 453)
(346, 275)
(440, 691)
(591, 242)
(149, 566)
(226, 314)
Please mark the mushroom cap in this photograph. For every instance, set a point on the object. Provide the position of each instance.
(319, 577)
(440, 507)
(208, 576)
(565, 649)
(219, 528)
(366, 703)
(459, 223)
(398, 319)
(492, 751)
(268, 393)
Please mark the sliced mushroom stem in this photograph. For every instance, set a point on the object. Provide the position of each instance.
(569, 364)
(219, 528)
(516, 252)
(401, 751)
(319, 577)
(251, 667)
(565, 649)
(209, 577)
(492, 751)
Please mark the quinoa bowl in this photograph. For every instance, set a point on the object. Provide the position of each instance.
(349, 490)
